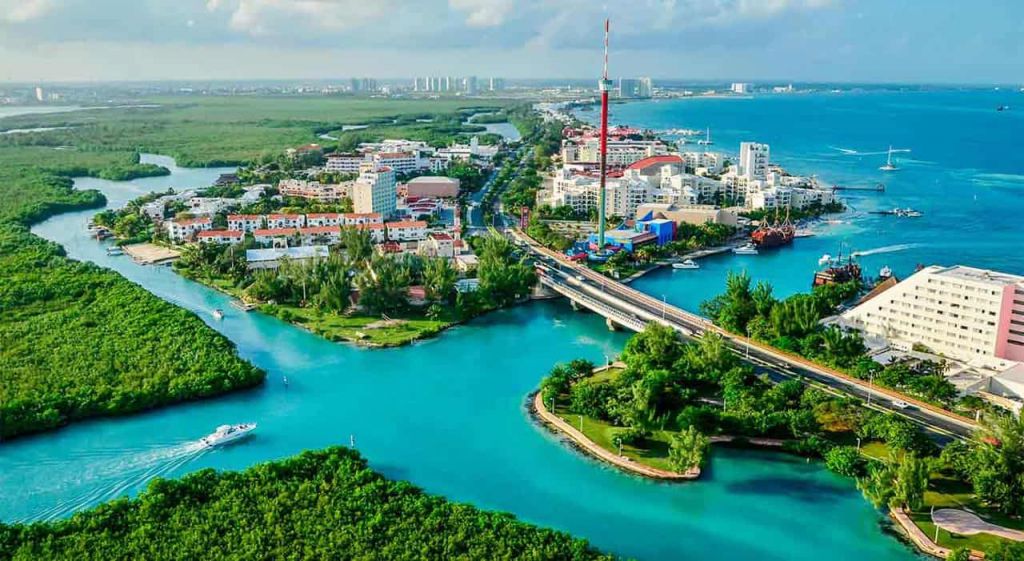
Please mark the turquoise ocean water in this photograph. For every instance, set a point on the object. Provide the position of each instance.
(449, 415)
(965, 171)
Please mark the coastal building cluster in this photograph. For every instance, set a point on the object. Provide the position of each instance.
(448, 84)
(971, 317)
(645, 170)
(408, 156)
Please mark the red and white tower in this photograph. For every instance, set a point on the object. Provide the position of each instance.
(604, 85)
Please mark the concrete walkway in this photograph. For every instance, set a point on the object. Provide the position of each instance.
(593, 449)
(923, 542)
(965, 523)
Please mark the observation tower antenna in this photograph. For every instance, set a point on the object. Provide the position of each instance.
(604, 85)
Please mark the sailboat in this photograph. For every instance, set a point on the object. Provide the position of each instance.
(889, 166)
(707, 139)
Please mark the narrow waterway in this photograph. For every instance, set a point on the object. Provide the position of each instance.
(448, 415)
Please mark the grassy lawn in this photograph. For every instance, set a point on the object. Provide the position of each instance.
(655, 454)
(362, 329)
(947, 492)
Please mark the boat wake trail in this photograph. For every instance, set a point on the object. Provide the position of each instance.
(887, 249)
(134, 472)
(852, 152)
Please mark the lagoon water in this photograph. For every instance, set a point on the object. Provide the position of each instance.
(965, 172)
(448, 415)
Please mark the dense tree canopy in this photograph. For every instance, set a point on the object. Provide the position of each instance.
(77, 341)
(325, 505)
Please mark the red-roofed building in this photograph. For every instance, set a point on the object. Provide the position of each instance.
(667, 159)
(357, 218)
(286, 221)
(245, 222)
(323, 219)
(438, 244)
(406, 230)
(184, 229)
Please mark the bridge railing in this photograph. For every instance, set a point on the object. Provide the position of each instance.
(707, 325)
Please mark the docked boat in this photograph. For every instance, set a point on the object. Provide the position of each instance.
(218, 314)
(824, 259)
(884, 273)
(227, 433)
(803, 233)
(838, 271)
(686, 264)
(114, 250)
(745, 249)
(244, 306)
(773, 234)
(907, 212)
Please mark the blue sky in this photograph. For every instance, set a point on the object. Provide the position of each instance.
(778, 40)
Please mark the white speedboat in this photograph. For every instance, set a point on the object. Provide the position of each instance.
(218, 314)
(885, 272)
(227, 433)
(824, 259)
(745, 249)
(115, 250)
(686, 264)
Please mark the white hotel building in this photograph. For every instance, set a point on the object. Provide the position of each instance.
(972, 315)
(375, 191)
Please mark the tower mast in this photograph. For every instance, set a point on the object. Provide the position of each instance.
(604, 85)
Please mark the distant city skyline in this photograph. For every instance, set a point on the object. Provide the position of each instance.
(750, 40)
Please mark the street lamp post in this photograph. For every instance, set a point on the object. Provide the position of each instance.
(747, 341)
(871, 378)
(664, 306)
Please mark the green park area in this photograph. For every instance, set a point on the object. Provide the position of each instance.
(79, 341)
(318, 505)
(671, 397)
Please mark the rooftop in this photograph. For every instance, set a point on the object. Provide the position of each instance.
(655, 161)
(977, 275)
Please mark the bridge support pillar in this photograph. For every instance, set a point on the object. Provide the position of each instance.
(612, 326)
(575, 306)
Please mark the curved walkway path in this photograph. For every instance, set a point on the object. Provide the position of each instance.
(965, 523)
(593, 449)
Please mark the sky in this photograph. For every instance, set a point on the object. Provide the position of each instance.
(947, 41)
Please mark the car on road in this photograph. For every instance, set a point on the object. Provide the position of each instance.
(900, 404)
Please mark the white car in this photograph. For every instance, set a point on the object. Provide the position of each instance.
(900, 404)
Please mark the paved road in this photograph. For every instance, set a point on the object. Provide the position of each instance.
(764, 361)
(476, 210)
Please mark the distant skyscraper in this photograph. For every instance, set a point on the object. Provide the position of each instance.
(740, 87)
(628, 87)
(497, 84)
(645, 88)
(469, 85)
(39, 94)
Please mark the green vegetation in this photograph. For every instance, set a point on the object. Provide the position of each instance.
(233, 130)
(671, 396)
(670, 387)
(359, 295)
(319, 505)
(794, 325)
(76, 340)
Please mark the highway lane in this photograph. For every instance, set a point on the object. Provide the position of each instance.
(776, 366)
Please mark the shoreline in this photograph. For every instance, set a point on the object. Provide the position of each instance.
(548, 419)
(917, 537)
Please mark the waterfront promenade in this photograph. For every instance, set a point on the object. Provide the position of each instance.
(591, 447)
(632, 309)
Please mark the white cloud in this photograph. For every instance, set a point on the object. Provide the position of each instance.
(266, 17)
(483, 13)
(18, 11)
